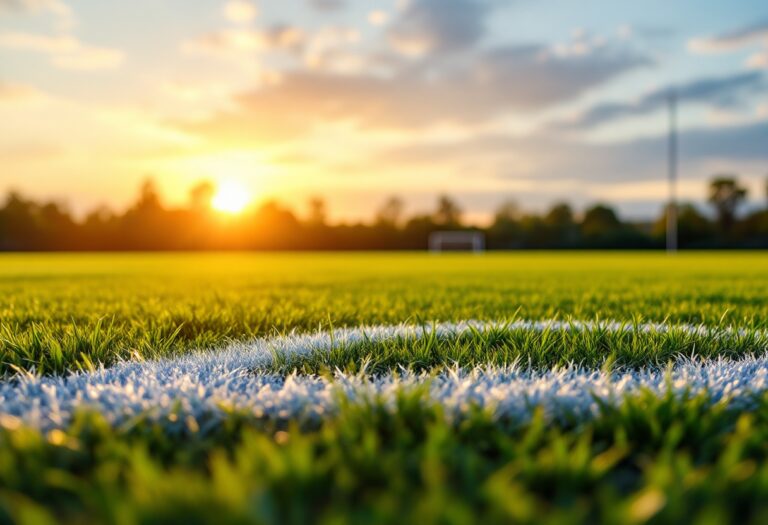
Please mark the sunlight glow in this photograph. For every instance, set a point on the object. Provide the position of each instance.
(230, 198)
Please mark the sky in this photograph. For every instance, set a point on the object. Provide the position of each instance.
(534, 101)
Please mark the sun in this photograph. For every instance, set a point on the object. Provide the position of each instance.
(230, 198)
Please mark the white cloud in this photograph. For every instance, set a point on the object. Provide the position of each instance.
(758, 60)
(54, 6)
(59, 9)
(582, 43)
(733, 40)
(328, 5)
(328, 44)
(746, 37)
(11, 92)
(240, 11)
(722, 92)
(90, 58)
(66, 52)
(625, 31)
(39, 43)
(426, 26)
(378, 17)
(482, 91)
(229, 43)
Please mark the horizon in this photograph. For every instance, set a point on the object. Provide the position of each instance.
(536, 103)
(302, 210)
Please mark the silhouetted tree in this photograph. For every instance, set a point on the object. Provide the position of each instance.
(559, 215)
(753, 229)
(201, 195)
(560, 222)
(725, 194)
(99, 230)
(505, 229)
(149, 197)
(390, 214)
(148, 225)
(58, 228)
(534, 232)
(448, 213)
(507, 212)
(417, 231)
(600, 222)
(317, 211)
(274, 226)
(19, 227)
(692, 226)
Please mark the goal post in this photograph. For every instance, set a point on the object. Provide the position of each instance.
(441, 241)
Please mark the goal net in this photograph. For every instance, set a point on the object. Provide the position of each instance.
(442, 241)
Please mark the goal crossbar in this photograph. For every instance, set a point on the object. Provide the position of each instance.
(441, 240)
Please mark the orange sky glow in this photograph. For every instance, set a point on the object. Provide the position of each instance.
(357, 101)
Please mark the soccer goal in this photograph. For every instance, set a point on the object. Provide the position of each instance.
(442, 241)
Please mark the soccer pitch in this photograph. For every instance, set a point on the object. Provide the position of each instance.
(384, 388)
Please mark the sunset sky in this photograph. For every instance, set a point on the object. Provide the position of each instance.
(353, 100)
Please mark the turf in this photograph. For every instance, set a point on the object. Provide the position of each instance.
(654, 459)
(537, 346)
(69, 312)
(660, 455)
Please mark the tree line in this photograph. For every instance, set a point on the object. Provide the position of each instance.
(26, 225)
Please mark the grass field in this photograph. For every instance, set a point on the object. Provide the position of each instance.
(588, 387)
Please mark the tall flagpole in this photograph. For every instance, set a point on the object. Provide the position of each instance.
(672, 158)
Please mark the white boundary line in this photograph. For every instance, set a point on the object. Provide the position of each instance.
(207, 385)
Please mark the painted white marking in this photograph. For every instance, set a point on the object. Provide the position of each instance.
(208, 385)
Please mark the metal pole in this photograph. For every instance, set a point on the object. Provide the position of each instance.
(672, 205)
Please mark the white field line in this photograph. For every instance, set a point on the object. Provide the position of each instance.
(206, 386)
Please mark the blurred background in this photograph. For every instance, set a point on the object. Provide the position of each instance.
(371, 124)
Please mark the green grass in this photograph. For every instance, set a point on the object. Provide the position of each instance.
(663, 460)
(64, 312)
(504, 345)
(667, 460)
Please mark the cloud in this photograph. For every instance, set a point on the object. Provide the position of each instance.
(240, 11)
(10, 92)
(89, 59)
(648, 32)
(588, 162)
(54, 6)
(758, 60)
(427, 26)
(745, 36)
(327, 48)
(330, 47)
(378, 17)
(60, 10)
(40, 43)
(745, 142)
(492, 84)
(722, 91)
(228, 41)
(66, 52)
(328, 5)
